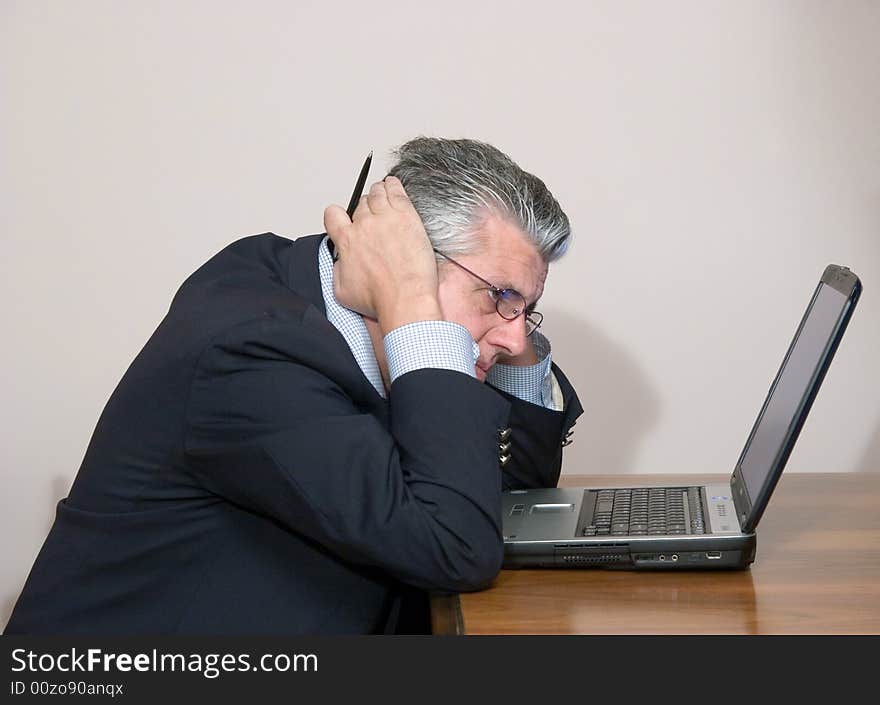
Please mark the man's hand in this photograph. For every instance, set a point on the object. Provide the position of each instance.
(386, 268)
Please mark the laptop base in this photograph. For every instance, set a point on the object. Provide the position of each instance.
(703, 553)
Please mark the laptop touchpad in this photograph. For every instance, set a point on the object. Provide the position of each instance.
(551, 508)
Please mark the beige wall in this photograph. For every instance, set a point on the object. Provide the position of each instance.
(713, 158)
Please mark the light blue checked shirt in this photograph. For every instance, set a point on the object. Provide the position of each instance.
(451, 348)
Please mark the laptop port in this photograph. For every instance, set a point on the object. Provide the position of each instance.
(674, 557)
(662, 557)
(713, 555)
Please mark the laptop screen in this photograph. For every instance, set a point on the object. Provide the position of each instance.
(760, 456)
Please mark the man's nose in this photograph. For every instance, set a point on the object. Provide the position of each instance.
(510, 335)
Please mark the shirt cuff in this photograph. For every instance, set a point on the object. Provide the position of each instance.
(439, 344)
(532, 383)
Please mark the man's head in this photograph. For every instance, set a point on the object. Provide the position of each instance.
(455, 184)
(479, 208)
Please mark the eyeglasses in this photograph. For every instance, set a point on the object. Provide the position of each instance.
(509, 303)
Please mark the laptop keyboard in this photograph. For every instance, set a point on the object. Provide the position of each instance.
(647, 511)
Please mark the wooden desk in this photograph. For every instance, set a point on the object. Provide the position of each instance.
(817, 571)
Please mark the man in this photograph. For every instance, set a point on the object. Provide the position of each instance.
(305, 440)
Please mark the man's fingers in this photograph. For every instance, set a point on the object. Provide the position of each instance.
(336, 223)
(362, 210)
(396, 194)
(377, 198)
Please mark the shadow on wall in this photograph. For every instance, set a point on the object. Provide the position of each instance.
(59, 487)
(870, 461)
(620, 404)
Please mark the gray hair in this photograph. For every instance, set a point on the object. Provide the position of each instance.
(455, 185)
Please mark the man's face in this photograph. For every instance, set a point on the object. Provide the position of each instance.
(508, 261)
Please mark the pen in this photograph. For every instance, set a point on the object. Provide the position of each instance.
(359, 186)
(355, 197)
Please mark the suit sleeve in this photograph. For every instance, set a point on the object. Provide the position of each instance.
(270, 431)
(537, 436)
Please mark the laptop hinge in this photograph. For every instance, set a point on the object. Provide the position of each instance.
(740, 499)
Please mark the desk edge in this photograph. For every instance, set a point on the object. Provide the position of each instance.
(446, 616)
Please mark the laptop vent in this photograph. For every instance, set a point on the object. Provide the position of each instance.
(590, 558)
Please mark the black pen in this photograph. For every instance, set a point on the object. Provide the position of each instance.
(355, 197)
(359, 186)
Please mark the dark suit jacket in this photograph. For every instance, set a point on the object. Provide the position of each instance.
(246, 478)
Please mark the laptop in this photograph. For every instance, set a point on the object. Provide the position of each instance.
(688, 526)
